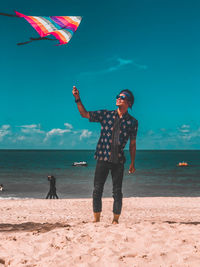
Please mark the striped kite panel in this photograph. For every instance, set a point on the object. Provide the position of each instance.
(61, 27)
(63, 36)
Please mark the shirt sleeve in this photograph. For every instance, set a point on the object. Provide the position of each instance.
(134, 130)
(97, 116)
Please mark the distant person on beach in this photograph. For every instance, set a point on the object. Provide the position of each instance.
(117, 126)
(52, 189)
(1, 187)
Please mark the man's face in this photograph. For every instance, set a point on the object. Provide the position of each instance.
(122, 101)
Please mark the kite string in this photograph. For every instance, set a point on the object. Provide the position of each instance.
(8, 15)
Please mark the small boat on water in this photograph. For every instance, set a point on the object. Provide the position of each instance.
(182, 164)
(80, 163)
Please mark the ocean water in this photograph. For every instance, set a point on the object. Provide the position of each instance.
(24, 173)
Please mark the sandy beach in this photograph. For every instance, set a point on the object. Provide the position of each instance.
(152, 232)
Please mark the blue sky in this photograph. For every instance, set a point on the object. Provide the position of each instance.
(151, 47)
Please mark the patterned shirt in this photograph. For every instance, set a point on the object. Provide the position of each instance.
(128, 129)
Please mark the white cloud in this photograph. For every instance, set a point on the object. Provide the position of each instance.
(32, 130)
(150, 133)
(5, 127)
(117, 63)
(32, 136)
(4, 130)
(163, 130)
(184, 128)
(30, 126)
(58, 131)
(191, 134)
(184, 132)
(21, 138)
(123, 62)
(183, 137)
(85, 134)
(68, 125)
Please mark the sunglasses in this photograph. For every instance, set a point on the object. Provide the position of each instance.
(122, 97)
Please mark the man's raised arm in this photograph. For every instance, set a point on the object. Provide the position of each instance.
(84, 113)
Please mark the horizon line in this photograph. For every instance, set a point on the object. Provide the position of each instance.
(55, 149)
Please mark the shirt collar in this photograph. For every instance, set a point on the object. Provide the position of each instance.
(124, 116)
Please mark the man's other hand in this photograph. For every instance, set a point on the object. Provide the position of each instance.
(131, 169)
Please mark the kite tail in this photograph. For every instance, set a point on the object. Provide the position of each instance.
(36, 39)
(24, 43)
(8, 15)
(41, 38)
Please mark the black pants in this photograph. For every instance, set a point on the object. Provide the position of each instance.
(101, 173)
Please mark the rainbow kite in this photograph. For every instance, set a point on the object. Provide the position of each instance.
(61, 27)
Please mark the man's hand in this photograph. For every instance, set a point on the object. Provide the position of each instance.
(132, 149)
(80, 106)
(75, 92)
(131, 169)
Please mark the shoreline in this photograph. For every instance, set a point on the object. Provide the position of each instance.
(152, 231)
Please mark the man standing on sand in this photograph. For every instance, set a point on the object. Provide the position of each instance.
(117, 126)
